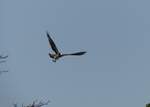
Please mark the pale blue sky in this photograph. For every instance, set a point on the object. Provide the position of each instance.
(115, 71)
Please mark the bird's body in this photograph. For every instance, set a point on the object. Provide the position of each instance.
(55, 56)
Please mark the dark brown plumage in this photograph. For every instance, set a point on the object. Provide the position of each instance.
(57, 54)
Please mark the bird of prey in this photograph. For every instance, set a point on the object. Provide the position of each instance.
(57, 53)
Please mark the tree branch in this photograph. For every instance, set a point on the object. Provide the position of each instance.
(40, 104)
(3, 72)
(3, 57)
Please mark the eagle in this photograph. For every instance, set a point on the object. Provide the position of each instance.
(57, 54)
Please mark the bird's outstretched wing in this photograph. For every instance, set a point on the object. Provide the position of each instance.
(52, 44)
(77, 53)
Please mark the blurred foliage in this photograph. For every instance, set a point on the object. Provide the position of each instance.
(148, 105)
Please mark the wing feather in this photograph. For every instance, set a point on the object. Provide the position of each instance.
(52, 44)
(76, 53)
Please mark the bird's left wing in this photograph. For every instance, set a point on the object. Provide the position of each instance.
(52, 44)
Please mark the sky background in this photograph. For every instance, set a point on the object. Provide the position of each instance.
(114, 72)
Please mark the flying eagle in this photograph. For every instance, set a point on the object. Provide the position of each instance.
(57, 54)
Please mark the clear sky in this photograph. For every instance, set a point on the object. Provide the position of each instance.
(115, 71)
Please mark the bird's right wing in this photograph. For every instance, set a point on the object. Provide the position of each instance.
(77, 53)
(52, 44)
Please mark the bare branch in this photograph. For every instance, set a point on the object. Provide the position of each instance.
(40, 104)
(3, 72)
(3, 57)
(2, 61)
